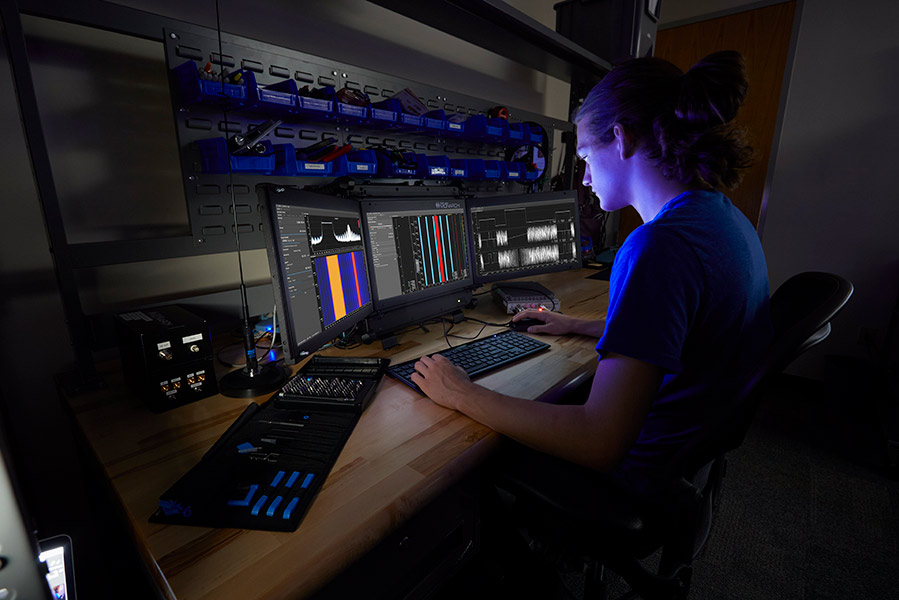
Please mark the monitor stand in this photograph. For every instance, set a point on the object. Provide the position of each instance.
(383, 325)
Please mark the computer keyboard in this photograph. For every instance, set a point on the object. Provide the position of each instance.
(478, 357)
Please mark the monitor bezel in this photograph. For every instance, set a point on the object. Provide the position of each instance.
(270, 196)
(403, 300)
(494, 201)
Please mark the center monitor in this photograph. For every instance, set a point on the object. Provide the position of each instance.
(318, 266)
(418, 250)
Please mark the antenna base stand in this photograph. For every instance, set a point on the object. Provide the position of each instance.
(243, 383)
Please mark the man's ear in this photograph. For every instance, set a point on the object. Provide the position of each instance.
(624, 141)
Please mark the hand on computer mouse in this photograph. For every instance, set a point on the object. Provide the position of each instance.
(524, 324)
(543, 321)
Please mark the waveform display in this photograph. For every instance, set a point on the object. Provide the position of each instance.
(342, 285)
(542, 233)
(539, 255)
(327, 234)
(507, 259)
(520, 237)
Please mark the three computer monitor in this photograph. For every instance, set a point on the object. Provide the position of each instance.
(394, 262)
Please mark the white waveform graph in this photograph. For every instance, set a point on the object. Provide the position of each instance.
(507, 259)
(539, 255)
(502, 237)
(317, 239)
(348, 236)
(542, 233)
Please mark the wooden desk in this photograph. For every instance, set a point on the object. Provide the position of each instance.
(403, 453)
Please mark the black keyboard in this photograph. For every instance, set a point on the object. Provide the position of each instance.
(333, 381)
(480, 356)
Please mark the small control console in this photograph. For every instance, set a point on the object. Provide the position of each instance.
(167, 356)
(517, 296)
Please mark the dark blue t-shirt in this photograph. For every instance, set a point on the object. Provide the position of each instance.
(689, 293)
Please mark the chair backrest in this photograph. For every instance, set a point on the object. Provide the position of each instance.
(801, 311)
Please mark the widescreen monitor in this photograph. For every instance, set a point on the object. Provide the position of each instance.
(519, 236)
(318, 266)
(418, 250)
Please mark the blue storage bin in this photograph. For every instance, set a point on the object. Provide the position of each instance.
(530, 175)
(459, 168)
(493, 169)
(286, 163)
(434, 120)
(358, 162)
(351, 112)
(317, 108)
(385, 113)
(480, 169)
(535, 135)
(276, 99)
(407, 121)
(386, 167)
(514, 170)
(479, 127)
(453, 127)
(215, 157)
(519, 133)
(431, 167)
(203, 91)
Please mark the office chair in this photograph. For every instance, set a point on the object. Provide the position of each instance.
(575, 516)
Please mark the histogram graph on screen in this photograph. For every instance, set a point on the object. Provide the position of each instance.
(341, 285)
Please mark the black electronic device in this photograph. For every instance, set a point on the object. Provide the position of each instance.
(342, 383)
(518, 236)
(56, 553)
(416, 248)
(612, 30)
(167, 356)
(478, 357)
(516, 296)
(418, 260)
(318, 266)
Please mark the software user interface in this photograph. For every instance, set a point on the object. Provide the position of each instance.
(417, 249)
(56, 571)
(324, 267)
(514, 237)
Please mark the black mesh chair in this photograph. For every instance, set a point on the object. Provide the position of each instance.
(576, 516)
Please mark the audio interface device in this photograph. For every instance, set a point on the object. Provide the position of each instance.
(519, 295)
(167, 356)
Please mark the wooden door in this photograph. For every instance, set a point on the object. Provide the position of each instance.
(762, 35)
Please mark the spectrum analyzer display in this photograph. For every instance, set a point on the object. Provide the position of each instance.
(324, 267)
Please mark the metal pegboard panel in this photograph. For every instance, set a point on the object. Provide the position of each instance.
(213, 199)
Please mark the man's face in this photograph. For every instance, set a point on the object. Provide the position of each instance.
(602, 171)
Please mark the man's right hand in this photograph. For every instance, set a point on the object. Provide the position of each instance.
(554, 323)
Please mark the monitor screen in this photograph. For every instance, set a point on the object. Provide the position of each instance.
(417, 249)
(523, 235)
(56, 553)
(318, 266)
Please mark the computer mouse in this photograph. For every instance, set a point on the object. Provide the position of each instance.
(523, 324)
